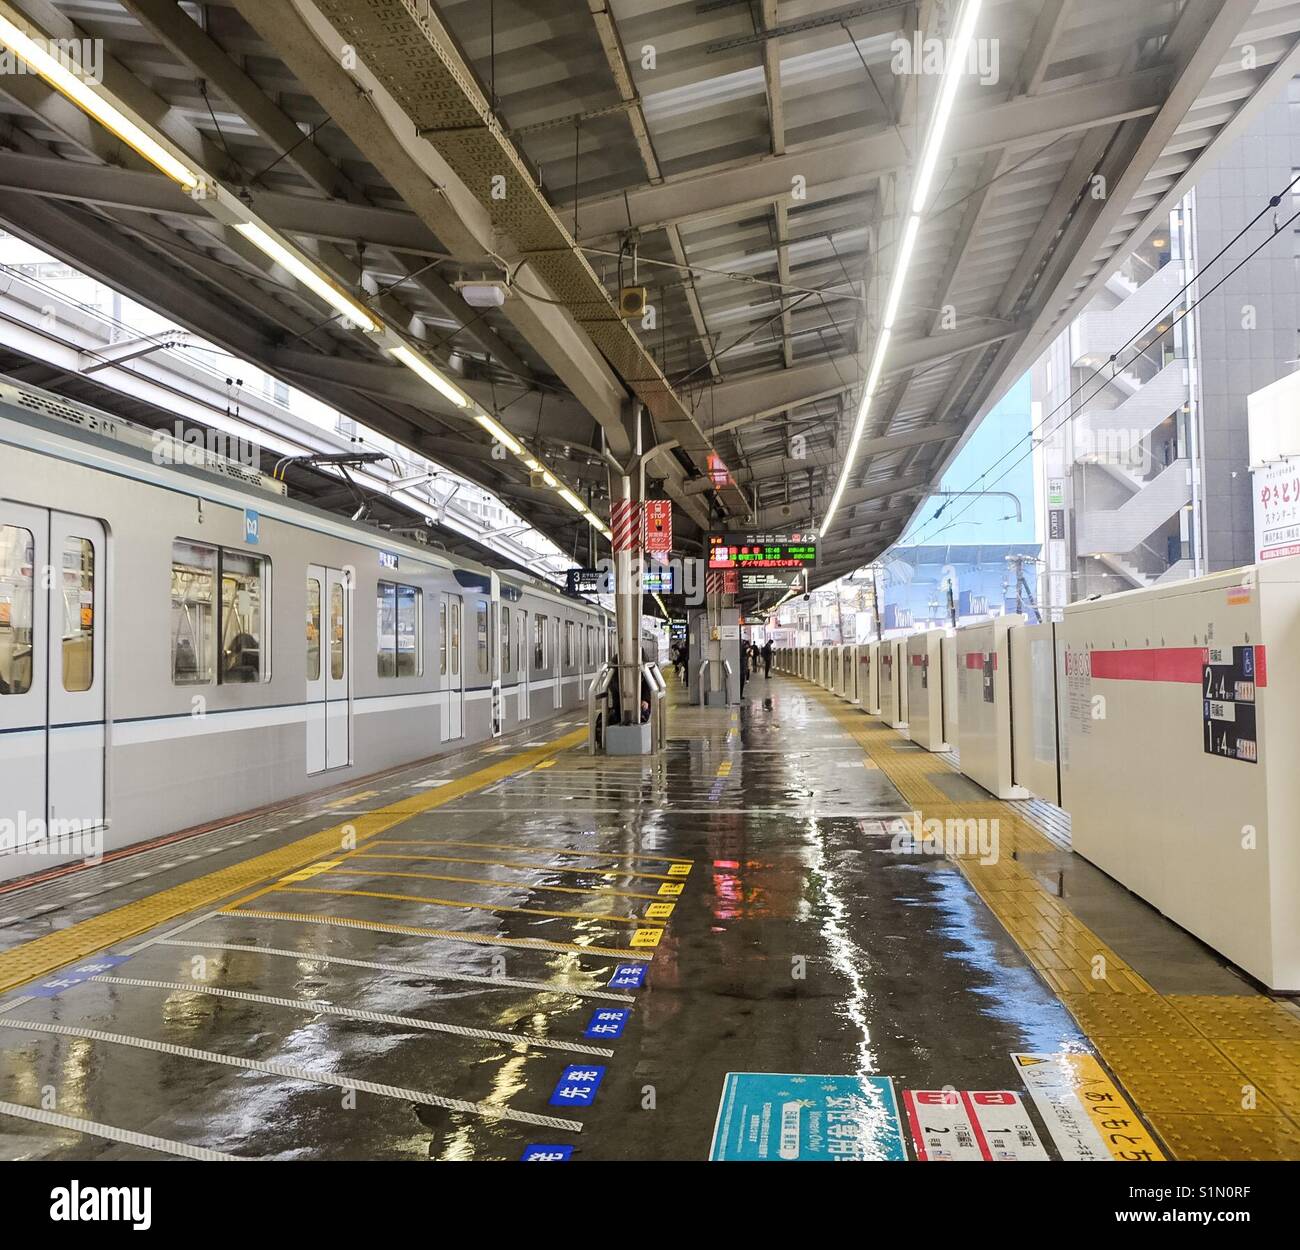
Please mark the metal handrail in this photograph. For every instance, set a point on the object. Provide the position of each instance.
(659, 709)
(598, 689)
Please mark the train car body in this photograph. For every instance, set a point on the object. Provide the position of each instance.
(180, 644)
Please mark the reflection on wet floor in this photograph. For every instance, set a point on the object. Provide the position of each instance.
(572, 956)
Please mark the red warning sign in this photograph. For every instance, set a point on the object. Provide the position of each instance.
(659, 526)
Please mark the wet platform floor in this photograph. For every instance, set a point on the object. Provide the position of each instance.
(431, 980)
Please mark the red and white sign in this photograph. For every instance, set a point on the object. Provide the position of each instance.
(624, 524)
(659, 526)
(991, 1125)
(941, 1125)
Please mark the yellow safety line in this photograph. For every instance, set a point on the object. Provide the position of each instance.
(44, 954)
(352, 798)
(636, 921)
(509, 863)
(361, 870)
(1176, 1054)
(553, 850)
(454, 935)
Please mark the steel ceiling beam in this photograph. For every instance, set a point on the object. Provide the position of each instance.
(115, 188)
(856, 162)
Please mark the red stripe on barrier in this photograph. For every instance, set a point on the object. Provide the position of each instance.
(1184, 664)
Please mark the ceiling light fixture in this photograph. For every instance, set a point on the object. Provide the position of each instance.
(957, 54)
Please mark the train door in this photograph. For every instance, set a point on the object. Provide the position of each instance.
(453, 723)
(76, 670)
(329, 669)
(557, 664)
(52, 684)
(523, 663)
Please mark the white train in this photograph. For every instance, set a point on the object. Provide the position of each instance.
(182, 644)
(1164, 721)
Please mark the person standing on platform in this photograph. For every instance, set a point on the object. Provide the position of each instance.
(767, 659)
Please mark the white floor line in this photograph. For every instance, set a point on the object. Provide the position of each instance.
(541, 987)
(146, 1140)
(294, 1073)
(319, 1007)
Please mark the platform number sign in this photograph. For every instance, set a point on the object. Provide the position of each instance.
(1230, 678)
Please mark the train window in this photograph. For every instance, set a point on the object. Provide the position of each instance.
(505, 636)
(442, 638)
(591, 645)
(398, 610)
(243, 596)
(568, 644)
(338, 631)
(78, 614)
(539, 641)
(481, 634)
(17, 552)
(313, 629)
(455, 638)
(194, 582)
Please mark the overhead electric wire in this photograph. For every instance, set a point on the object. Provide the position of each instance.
(1273, 202)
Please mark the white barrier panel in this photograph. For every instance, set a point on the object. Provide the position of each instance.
(925, 690)
(984, 705)
(893, 686)
(1033, 710)
(869, 677)
(948, 650)
(1179, 726)
(845, 669)
(850, 662)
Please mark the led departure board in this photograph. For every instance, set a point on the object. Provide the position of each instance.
(762, 551)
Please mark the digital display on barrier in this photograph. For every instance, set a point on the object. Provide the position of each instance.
(762, 551)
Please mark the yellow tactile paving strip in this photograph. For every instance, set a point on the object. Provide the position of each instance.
(1217, 1076)
(45, 954)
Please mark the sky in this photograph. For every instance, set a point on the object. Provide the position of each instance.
(978, 466)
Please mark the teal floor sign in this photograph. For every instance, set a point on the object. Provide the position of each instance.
(791, 1116)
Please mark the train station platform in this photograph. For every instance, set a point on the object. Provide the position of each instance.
(527, 951)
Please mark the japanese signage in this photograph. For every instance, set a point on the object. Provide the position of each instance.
(547, 1154)
(659, 526)
(1056, 523)
(658, 579)
(387, 560)
(762, 551)
(578, 1086)
(1228, 689)
(1088, 1117)
(588, 582)
(74, 976)
(783, 1116)
(719, 474)
(607, 1022)
(765, 581)
(991, 1125)
(628, 977)
(1055, 492)
(1277, 510)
